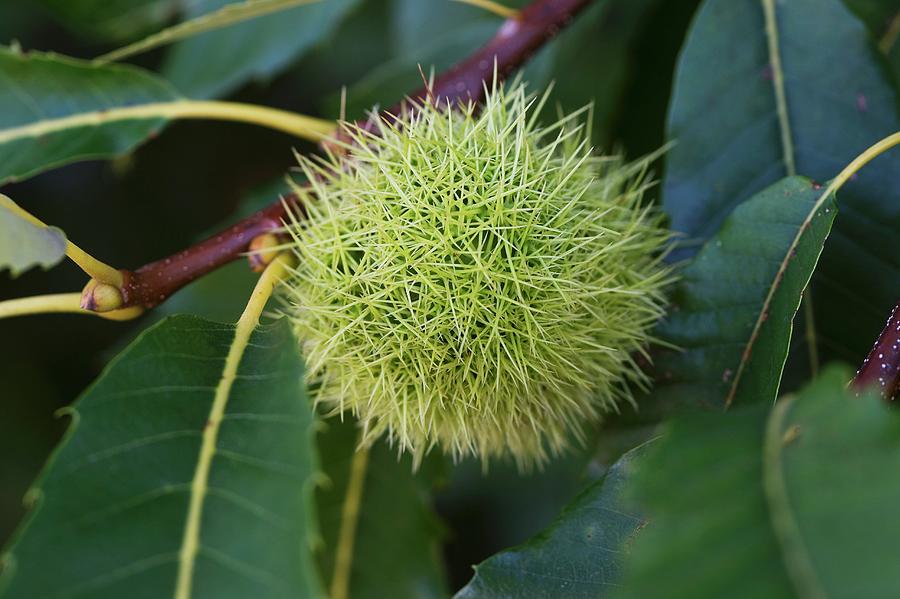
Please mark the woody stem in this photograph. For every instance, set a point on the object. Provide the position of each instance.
(513, 44)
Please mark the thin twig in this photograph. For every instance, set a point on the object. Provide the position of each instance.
(343, 559)
(155, 282)
(516, 40)
(514, 43)
(881, 369)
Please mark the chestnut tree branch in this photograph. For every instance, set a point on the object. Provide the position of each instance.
(881, 368)
(155, 282)
(513, 44)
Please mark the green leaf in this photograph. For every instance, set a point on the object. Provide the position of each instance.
(41, 128)
(388, 83)
(736, 301)
(112, 20)
(606, 32)
(416, 24)
(396, 551)
(801, 496)
(105, 111)
(217, 62)
(504, 507)
(701, 490)
(732, 140)
(24, 244)
(577, 556)
(876, 14)
(227, 16)
(111, 510)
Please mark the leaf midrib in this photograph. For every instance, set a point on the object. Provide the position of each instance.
(787, 147)
(770, 295)
(229, 15)
(784, 121)
(246, 325)
(150, 111)
(795, 555)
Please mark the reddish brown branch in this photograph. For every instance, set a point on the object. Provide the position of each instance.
(516, 40)
(153, 283)
(881, 368)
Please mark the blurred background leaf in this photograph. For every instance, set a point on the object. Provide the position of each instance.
(436, 34)
(217, 62)
(578, 556)
(879, 16)
(389, 82)
(31, 102)
(396, 552)
(800, 496)
(113, 20)
(488, 511)
(24, 244)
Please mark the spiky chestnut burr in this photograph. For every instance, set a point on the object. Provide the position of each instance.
(474, 280)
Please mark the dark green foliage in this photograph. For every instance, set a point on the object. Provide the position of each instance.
(799, 496)
(731, 144)
(218, 62)
(109, 510)
(579, 555)
(397, 552)
(112, 20)
(788, 494)
(30, 94)
(735, 304)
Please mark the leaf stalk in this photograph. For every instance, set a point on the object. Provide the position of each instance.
(61, 303)
(302, 126)
(249, 320)
(343, 559)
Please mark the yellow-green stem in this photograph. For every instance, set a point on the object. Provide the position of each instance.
(190, 543)
(230, 14)
(794, 552)
(784, 121)
(872, 152)
(340, 581)
(302, 126)
(890, 36)
(94, 268)
(91, 266)
(496, 8)
(60, 303)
